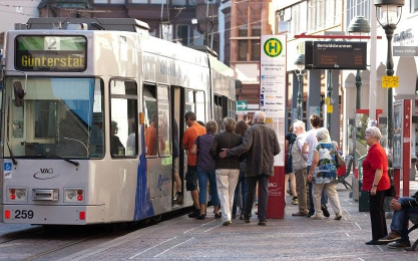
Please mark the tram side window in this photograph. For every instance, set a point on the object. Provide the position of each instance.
(218, 110)
(200, 106)
(164, 121)
(151, 120)
(97, 131)
(123, 119)
(190, 101)
(195, 102)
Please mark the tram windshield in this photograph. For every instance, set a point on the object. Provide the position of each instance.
(58, 118)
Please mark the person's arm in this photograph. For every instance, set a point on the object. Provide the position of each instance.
(245, 146)
(184, 144)
(315, 161)
(276, 144)
(305, 148)
(214, 147)
(377, 176)
(411, 203)
(194, 149)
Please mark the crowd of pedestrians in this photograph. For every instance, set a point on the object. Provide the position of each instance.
(234, 161)
(241, 156)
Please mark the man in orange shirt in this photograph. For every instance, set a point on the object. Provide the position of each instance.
(190, 135)
(151, 137)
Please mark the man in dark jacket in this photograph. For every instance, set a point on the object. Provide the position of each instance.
(261, 144)
(405, 208)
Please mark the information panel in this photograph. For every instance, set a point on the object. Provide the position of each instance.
(50, 53)
(336, 55)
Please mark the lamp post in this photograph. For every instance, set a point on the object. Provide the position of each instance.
(358, 25)
(389, 14)
(329, 94)
(300, 64)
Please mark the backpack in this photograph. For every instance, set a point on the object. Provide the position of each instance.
(298, 160)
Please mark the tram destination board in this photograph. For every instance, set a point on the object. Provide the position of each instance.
(50, 53)
(335, 55)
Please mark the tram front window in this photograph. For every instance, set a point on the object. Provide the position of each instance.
(60, 117)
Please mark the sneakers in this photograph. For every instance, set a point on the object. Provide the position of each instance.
(295, 201)
(178, 200)
(262, 223)
(316, 216)
(392, 236)
(325, 210)
(227, 223)
(399, 244)
(338, 217)
(299, 214)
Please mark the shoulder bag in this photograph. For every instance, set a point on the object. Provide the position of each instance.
(298, 160)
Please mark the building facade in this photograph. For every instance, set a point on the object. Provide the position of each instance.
(311, 18)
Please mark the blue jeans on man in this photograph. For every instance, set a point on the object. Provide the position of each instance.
(324, 198)
(242, 183)
(400, 219)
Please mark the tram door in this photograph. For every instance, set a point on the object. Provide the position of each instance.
(177, 116)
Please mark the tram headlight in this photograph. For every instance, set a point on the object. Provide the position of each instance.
(17, 194)
(74, 195)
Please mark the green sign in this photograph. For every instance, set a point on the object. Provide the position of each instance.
(273, 47)
(242, 105)
(51, 53)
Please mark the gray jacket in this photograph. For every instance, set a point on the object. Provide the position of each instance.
(261, 144)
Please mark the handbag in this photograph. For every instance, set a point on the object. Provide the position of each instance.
(339, 161)
(391, 192)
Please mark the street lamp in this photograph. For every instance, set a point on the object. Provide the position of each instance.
(358, 25)
(389, 14)
(300, 65)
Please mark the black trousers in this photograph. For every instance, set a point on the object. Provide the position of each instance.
(263, 182)
(377, 215)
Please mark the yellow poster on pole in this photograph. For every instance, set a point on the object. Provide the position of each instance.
(390, 82)
(330, 108)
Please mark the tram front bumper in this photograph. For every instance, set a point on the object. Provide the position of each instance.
(52, 215)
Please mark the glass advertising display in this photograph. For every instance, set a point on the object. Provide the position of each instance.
(362, 120)
(397, 134)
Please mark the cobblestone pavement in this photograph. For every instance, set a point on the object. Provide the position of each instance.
(291, 238)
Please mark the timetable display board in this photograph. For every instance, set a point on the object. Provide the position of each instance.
(51, 53)
(336, 55)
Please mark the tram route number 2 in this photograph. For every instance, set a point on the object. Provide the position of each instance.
(23, 214)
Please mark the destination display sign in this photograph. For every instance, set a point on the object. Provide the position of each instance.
(51, 53)
(336, 55)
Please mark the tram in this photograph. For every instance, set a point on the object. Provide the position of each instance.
(78, 96)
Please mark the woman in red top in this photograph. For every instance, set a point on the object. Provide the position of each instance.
(376, 181)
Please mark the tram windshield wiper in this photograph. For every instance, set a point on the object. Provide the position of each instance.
(75, 163)
(41, 153)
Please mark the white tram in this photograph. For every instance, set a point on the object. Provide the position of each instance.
(76, 104)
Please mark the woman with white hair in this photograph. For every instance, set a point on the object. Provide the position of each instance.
(323, 174)
(376, 181)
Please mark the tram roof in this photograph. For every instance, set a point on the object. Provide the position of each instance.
(109, 24)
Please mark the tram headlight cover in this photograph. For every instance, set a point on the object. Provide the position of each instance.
(74, 195)
(17, 194)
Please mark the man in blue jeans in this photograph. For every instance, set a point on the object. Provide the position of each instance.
(405, 208)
